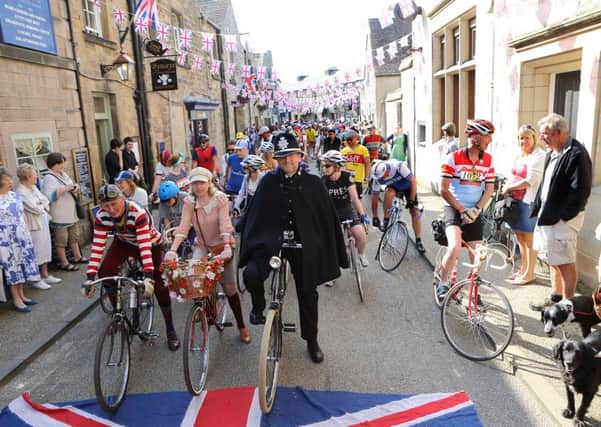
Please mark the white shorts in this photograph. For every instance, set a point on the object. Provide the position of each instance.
(557, 243)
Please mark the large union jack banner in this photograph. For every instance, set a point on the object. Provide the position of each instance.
(146, 11)
(239, 406)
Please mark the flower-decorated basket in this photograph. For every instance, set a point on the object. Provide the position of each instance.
(193, 279)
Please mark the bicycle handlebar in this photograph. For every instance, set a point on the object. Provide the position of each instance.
(118, 278)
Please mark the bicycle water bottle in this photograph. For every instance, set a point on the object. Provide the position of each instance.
(133, 298)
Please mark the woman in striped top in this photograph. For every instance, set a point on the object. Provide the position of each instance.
(135, 237)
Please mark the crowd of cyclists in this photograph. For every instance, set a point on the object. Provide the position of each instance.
(264, 186)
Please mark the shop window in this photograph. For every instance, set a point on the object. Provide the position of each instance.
(92, 17)
(33, 148)
(103, 124)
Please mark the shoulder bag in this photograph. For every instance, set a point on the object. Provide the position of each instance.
(79, 209)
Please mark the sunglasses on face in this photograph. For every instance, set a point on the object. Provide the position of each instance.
(328, 166)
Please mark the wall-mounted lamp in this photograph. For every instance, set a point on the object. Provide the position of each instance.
(122, 65)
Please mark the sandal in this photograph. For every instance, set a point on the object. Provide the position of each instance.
(68, 267)
(82, 260)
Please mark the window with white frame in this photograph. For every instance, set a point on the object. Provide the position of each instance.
(92, 17)
(33, 148)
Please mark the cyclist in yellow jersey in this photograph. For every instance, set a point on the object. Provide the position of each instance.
(311, 135)
(267, 149)
(357, 159)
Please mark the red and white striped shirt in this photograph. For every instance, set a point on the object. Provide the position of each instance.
(135, 230)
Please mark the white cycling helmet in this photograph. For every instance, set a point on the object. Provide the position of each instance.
(266, 147)
(380, 169)
(253, 162)
(333, 156)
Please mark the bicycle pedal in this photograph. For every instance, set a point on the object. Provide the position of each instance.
(227, 324)
(289, 327)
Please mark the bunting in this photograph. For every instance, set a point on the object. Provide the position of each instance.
(215, 65)
(207, 41)
(197, 63)
(162, 33)
(231, 45)
(147, 13)
(181, 57)
(185, 38)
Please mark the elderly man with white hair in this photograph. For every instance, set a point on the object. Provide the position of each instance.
(560, 204)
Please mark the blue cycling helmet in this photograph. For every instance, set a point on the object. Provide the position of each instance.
(168, 190)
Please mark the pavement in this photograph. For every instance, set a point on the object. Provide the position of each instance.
(26, 336)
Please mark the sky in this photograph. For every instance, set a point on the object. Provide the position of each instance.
(310, 36)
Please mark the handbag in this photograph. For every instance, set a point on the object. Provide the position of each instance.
(79, 209)
(439, 232)
(507, 209)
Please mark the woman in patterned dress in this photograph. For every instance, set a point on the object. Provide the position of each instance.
(17, 258)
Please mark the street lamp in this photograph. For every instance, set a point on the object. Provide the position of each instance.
(121, 64)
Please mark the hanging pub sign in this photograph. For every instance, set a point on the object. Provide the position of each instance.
(164, 74)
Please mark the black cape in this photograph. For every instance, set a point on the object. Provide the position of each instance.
(317, 223)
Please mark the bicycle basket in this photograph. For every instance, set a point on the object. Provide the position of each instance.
(438, 232)
(193, 279)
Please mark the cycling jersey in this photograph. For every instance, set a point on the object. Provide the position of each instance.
(236, 174)
(205, 158)
(468, 179)
(339, 193)
(399, 180)
(372, 143)
(355, 161)
(310, 134)
(134, 228)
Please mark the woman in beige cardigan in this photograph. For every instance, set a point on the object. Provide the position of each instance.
(61, 191)
(207, 210)
(36, 207)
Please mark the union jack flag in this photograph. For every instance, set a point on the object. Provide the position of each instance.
(140, 25)
(163, 33)
(407, 7)
(118, 15)
(249, 82)
(147, 11)
(207, 42)
(215, 65)
(246, 71)
(230, 42)
(197, 63)
(230, 69)
(185, 38)
(181, 57)
(260, 73)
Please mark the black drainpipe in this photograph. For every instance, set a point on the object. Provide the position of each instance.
(141, 103)
(224, 101)
(78, 84)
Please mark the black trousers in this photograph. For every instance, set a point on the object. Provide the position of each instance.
(257, 272)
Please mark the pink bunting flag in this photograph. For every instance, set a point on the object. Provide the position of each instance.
(215, 64)
(181, 57)
(185, 38)
(197, 63)
(118, 15)
(141, 26)
(230, 43)
(162, 33)
(207, 42)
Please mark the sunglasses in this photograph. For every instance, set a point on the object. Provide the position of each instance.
(109, 192)
(328, 166)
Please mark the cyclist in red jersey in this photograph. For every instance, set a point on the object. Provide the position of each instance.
(466, 185)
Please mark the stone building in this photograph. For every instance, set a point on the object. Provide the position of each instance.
(511, 62)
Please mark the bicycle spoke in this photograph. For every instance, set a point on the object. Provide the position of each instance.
(111, 367)
(196, 350)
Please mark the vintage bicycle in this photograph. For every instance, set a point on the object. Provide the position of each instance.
(132, 315)
(197, 280)
(476, 316)
(393, 244)
(271, 343)
(353, 254)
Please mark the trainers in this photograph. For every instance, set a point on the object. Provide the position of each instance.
(52, 280)
(441, 291)
(363, 260)
(172, 341)
(375, 222)
(256, 318)
(420, 247)
(41, 285)
(384, 225)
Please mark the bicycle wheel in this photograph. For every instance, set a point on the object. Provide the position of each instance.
(111, 366)
(146, 314)
(393, 246)
(221, 311)
(269, 360)
(196, 350)
(481, 330)
(355, 267)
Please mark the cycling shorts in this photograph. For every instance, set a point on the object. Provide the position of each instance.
(352, 215)
(469, 232)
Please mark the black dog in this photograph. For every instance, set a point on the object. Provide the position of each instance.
(581, 372)
(578, 309)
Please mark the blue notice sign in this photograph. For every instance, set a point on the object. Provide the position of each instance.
(27, 23)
